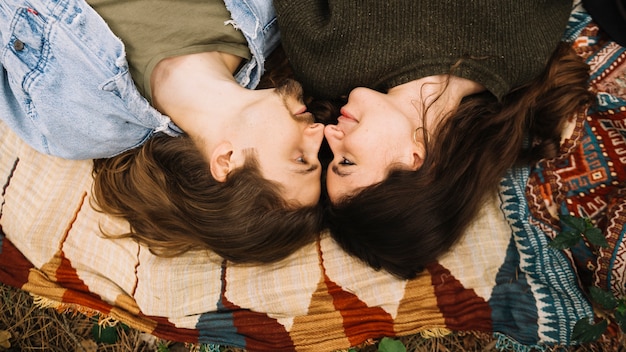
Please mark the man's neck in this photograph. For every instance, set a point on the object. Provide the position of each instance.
(191, 88)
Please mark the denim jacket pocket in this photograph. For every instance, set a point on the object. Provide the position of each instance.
(57, 101)
(26, 43)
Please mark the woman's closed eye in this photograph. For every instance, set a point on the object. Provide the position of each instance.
(340, 168)
(345, 161)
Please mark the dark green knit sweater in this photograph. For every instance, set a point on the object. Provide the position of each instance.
(337, 45)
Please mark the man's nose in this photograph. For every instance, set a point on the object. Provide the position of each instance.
(315, 132)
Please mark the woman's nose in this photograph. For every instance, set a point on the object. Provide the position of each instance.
(332, 132)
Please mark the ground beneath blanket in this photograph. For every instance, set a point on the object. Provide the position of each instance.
(26, 327)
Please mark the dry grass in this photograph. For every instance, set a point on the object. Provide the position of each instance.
(35, 329)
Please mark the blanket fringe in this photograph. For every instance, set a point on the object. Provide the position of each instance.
(435, 332)
(44, 302)
(505, 343)
(207, 348)
(61, 307)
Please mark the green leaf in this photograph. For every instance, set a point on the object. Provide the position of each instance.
(603, 298)
(565, 239)
(586, 332)
(573, 222)
(620, 318)
(104, 334)
(390, 345)
(595, 236)
(621, 306)
(161, 347)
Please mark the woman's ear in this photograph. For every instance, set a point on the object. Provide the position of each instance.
(418, 155)
(221, 162)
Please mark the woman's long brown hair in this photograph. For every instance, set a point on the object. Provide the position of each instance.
(412, 217)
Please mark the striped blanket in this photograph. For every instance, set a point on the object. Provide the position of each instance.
(501, 279)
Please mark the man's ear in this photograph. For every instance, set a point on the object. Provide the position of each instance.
(221, 162)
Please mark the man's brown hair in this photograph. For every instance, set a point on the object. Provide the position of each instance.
(165, 190)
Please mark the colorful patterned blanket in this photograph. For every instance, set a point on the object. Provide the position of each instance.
(501, 279)
(588, 179)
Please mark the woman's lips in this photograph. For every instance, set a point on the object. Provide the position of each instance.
(346, 115)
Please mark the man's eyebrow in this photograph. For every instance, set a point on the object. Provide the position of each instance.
(307, 171)
(336, 171)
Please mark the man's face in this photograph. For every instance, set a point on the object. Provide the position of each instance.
(286, 142)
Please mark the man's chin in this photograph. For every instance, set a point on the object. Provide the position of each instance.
(290, 88)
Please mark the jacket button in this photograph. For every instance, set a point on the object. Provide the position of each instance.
(18, 45)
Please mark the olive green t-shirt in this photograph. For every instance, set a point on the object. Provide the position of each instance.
(153, 30)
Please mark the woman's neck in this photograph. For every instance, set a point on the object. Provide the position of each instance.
(431, 99)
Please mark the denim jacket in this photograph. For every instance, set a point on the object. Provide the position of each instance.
(66, 89)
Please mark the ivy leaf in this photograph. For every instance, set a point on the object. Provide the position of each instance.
(573, 222)
(603, 298)
(565, 239)
(574, 227)
(390, 345)
(595, 236)
(104, 334)
(586, 332)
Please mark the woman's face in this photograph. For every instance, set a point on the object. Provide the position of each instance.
(373, 133)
